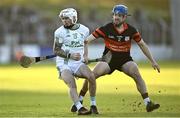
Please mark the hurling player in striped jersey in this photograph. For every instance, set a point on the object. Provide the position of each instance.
(117, 36)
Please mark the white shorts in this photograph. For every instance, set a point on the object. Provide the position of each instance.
(73, 67)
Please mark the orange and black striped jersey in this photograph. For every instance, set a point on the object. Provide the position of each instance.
(115, 40)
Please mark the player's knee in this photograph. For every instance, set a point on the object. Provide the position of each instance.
(137, 77)
(92, 78)
(135, 74)
(96, 75)
(69, 83)
(133, 70)
(72, 85)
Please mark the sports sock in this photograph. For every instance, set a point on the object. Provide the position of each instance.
(146, 100)
(78, 105)
(145, 95)
(81, 98)
(82, 93)
(93, 101)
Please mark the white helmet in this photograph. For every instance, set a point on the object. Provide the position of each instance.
(70, 13)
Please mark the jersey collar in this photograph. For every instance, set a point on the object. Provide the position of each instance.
(125, 27)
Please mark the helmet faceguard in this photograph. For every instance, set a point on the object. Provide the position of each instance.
(120, 9)
(70, 13)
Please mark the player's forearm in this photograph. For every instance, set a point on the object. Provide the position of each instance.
(89, 39)
(61, 53)
(86, 42)
(86, 50)
(146, 51)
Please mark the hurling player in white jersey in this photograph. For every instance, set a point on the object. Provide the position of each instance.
(69, 48)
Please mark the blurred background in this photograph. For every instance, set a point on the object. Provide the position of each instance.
(27, 26)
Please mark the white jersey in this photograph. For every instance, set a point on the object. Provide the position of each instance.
(73, 41)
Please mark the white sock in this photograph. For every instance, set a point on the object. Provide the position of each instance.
(81, 98)
(78, 105)
(93, 101)
(146, 100)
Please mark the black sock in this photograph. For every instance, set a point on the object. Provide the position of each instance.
(82, 93)
(145, 95)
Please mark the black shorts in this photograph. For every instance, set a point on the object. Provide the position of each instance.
(118, 59)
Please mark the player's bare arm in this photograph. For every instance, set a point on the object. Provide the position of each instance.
(85, 55)
(88, 40)
(148, 54)
(58, 51)
(65, 54)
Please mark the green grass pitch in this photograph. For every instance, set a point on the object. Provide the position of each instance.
(36, 92)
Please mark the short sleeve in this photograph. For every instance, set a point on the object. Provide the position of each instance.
(136, 36)
(87, 33)
(57, 36)
(99, 32)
